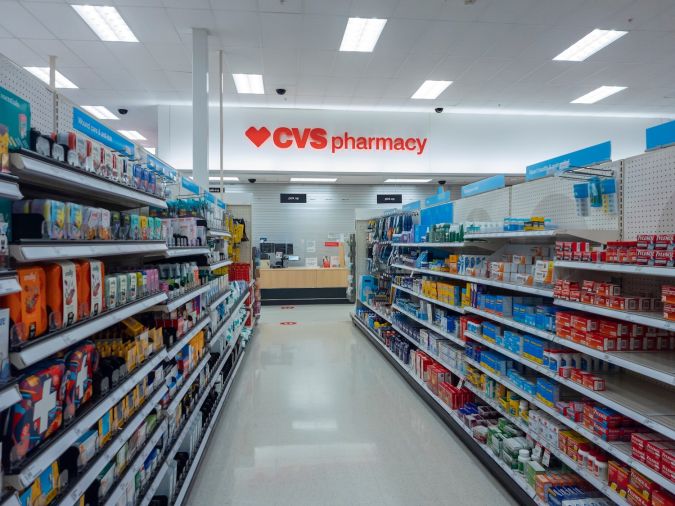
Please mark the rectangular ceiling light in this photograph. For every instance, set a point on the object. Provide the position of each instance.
(431, 89)
(598, 94)
(590, 44)
(106, 23)
(313, 179)
(99, 112)
(152, 151)
(224, 178)
(249, 83)
(407, 180)
(361, 34)
(42, 73)
(132, 135)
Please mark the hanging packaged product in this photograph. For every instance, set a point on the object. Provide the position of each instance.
(15, 126)
(62, 305)
(581, 199)
(609, 196)
(595, 191)
(27, 308)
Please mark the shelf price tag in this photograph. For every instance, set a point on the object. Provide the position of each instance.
(546, 459)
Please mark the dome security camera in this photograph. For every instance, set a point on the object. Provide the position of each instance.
(252, 180)
(281, 91)
(441, 182)
(122, 111)
(438, 110)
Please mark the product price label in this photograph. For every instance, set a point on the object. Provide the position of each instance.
(536, 453)
(546, 459)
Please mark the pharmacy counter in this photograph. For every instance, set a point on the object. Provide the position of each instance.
(308, 285)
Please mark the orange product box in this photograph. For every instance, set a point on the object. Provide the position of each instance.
(662, 498)
(62, 305)
(579, 336)
(564, 332)
(600, 342)
(601, 300)
(612, 328)
(27, 308)
(607, 289)
(584, 323)
(619, 476)
(588, 285)
(587, 298)
(643, 485)
(634, 498)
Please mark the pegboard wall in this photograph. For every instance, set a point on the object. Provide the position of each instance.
(492, 206)
(649, 193)
(64, 114)
(553, 197)
(25, 85)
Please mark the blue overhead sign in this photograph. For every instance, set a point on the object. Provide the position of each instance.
(189, 185)
(660, 136)
(101, 133)
(161, 168)
(586, 157)
(222, 204)
(412, 206)
(440, 198)
(208, 196)
(484, 185)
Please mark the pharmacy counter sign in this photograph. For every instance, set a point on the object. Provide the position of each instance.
(101, 133)
(319, 139)
(593, 155)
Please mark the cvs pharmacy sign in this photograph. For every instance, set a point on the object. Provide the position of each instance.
(318, 139)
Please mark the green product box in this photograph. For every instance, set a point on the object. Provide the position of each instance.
(14, 126)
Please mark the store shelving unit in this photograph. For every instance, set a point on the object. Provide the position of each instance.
(559, 234)
(186, 252)
(182, 341)
(224, 234)
(219, 300)
(428, 244)
(457, 309)
(176, 302)
(9, 283)
(649, 319)
(638, 270)
(9, 395)
(9, 187)
(218, 265)
(430, 326)
(46, 250)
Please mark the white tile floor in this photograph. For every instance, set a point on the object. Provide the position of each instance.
(319, 417)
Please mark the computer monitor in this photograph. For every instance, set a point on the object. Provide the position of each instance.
(267, 247)
(289, 248)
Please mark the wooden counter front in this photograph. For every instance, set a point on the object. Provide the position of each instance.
(303, 277)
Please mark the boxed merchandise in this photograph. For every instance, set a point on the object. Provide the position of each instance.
(27, 308)
(62, 304)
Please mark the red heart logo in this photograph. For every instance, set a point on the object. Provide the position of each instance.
(258, 136)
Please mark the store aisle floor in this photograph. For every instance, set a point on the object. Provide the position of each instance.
(319, 417)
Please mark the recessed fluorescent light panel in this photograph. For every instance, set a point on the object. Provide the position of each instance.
(106, 23)
(132, 135)
(249, 83)
(407, 180)
(224, 178)
(598, 94)
(589, 45)
(152, 151)
(99, 112)
(42, 73)
(361, 34)
(431, 89)
(313, 179)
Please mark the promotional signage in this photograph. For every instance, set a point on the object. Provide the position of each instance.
(209, 198)
(412, 206)
(331, 244)
(319, 139)
(293, 198)
(101, 133)
(214, 189)
(222, 204)
(592, 155)
(389, 198)
(161, 168)
(15, 114)
(660, 136)
(189, 185)
(440, 198)
(484, 185)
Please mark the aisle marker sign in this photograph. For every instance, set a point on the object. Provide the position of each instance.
(319, 139)
(190, 186)
(484, 185)
(101, 133)
(593, 155)
(660, 136)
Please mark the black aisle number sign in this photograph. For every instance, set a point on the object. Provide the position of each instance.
(389, 198)
(293, 198)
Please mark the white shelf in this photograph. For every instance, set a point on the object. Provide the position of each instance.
(544, 292)
(9, 395)
(182, 494)
(177, 346)
(218, 233)
(93, 469)
(55, 446)
(618, 449)
(218, 265)
(659, 366)
(219, 300)
(52, 175)
(177, 302)
(59, 341)
(9, 284)
(10, 499)
(429, 299)
(520, 480)
(429, 244)
(375, 310)
(232, 314)
(640, 270)
(430, 326)
(129, 473)
(187, 383)
(649, 319)
(9, 188)
(186, 252)
(601, 236)
(43, 250)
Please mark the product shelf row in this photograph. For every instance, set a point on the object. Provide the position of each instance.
(427, 324)
(659, 366)
(218, 265)
(54, 448)
(517, 479)
(219, 300)
(222, 234)
(40, 250)
(177, 346)
(9, 283)
(176, 302)
(9, 395)
(457, 309)
(188, 383)
(226, 323)
(649, 319)
(428, 244)
(640, 270)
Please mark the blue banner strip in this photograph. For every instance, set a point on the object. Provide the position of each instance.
(484, 185)
(412, 206)
(439, 198)
(660, 136)
(222, 204)
(101, 133)
(208, 196)
(161, 168)
(592, 155)
(190, 186)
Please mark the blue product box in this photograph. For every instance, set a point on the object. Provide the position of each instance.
(533, 348)
(491, 331)
(548, 391)
(474, 328)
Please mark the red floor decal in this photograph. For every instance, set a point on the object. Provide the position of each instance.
(288, 323)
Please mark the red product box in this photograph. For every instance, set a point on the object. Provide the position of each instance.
(611, 419)
(642, 484)
(645, 303)
(602, 343)
(577, 256)
(665, 241)
(655, 449)
(664, 258)
(612, 328)
(575, 295)
(624, 303)
(645, 257)
(564, 332)
(668, 458)
(588, 285)
(563, 319)
(668, 290)
(601, 300)
(595, 383)
(584, 323)
(640, 455)
(662, 498)
(635, 343)
(634, 498)
(607, 434)
(587, 298)
(587, 256)
(636, 330)
(646, 241)
(639, 440)
(577, 375)
(668, 471)
(652, 463)
(618, 474)
(622, 344)
(578, 336)
(607, 289)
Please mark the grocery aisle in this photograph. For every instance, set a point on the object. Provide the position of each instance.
(319, 417)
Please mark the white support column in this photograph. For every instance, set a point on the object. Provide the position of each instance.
(200, 107)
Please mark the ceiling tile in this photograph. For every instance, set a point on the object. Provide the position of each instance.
(482, 69)
(371, 87)
(281, 30)
(327, 7)
(171, 56)
(186, 19)
(350, 64)
(373, 8)
(86, 79)
(235, 5)
(193, 4)
(322, 32)
(421, 66)
(18, 21)
(62, 20)
(341, 86)
(238, 29)
(64, 56)
(385, 63)
(134, 56)
(150, 24)
(280, 62)
(244, 60)
(316, 63)
(315, 85)
(21, 54)
(94, 53)
(401, 35)
(180, 81)
(287, 6)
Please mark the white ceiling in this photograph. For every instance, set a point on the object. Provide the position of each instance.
(497, 52)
